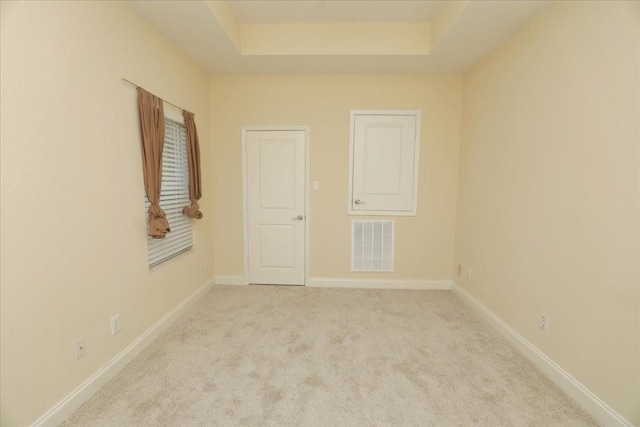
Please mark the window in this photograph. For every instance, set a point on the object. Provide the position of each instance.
(174, 196)
(383, 169)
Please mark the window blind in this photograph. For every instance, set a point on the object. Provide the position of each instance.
(174, 196)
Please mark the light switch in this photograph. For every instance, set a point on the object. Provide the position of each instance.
(316, 185)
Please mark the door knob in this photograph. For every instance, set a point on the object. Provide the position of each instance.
(359, 202)
(298, 218)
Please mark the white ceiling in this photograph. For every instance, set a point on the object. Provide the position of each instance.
(306, 11)
(300, 36)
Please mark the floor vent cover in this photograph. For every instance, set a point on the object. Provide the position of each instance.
(372, 245)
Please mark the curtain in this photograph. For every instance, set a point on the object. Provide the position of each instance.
(152, 127)
(193, 157)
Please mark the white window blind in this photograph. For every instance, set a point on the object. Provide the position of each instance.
(173, 197)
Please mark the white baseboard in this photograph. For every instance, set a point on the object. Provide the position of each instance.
(582, 395)
(328, 282)
(63, 409)
(231, 280)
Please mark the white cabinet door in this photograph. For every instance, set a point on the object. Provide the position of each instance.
(276, 206)
(384, 153)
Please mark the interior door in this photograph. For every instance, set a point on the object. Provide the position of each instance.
(384, 162)
(275, 165)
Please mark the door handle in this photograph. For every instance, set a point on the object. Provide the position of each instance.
(298, 218)
(359, 202)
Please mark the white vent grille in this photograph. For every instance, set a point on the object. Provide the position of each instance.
(372, 245)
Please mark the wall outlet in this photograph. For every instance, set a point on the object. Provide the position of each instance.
(80, 348)
(544, 322)
(459, 269)
(115, 324)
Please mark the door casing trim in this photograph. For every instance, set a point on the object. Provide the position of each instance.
(245, 193)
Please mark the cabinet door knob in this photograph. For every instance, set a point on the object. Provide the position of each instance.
(359, 202)
(298, 218)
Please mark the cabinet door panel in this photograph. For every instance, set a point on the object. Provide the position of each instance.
(384, 169)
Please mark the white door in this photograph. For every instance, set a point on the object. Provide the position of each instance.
(385, 163)
(275, 165)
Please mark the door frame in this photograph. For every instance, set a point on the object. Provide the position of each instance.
(245, 194)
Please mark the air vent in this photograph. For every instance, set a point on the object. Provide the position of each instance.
(372, 245)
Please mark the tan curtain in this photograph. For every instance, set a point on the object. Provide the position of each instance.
(152, 127)
(193, 157)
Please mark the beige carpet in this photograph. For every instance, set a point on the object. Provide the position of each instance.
(293, 356)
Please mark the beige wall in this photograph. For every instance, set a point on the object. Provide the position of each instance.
(548, 197)
(72, 213)
(424, 244)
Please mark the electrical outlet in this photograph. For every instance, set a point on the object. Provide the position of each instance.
(80, 348)
(459, 269)
(544, 322)
(115, 324)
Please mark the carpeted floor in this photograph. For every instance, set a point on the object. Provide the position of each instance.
(295, 356)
